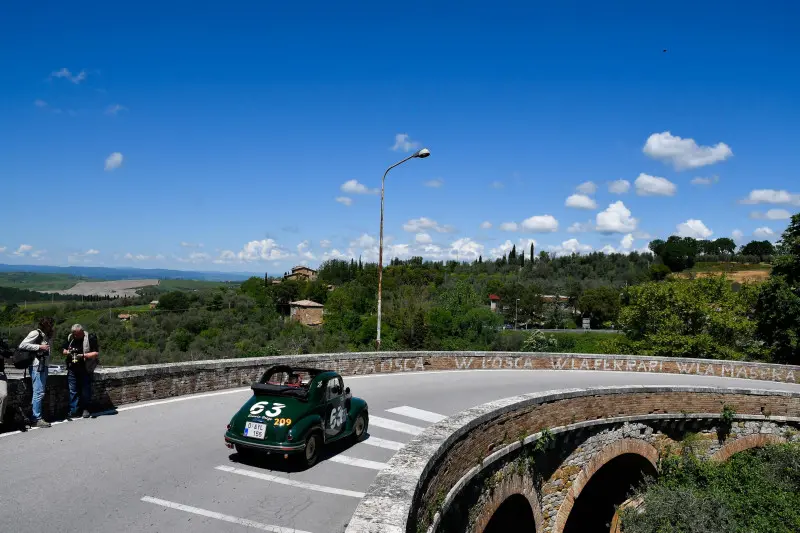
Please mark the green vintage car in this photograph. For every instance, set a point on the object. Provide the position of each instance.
(294, 412)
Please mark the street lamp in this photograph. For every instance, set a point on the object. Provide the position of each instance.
(422, 154)
(516, 313)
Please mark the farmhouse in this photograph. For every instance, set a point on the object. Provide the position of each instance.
(306, 312)
(302, 273)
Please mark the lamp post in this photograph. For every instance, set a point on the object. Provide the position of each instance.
(420, 154)
(516, 313)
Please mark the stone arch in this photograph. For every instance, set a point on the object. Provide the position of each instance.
(613, 450)
(512, 485)
(745, 443)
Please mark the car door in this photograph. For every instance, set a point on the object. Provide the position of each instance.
(336, 414)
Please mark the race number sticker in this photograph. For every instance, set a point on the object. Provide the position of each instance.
(337, 417)
(260, 408)
(283, 421)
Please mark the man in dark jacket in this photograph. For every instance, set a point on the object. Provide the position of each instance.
(81, 351)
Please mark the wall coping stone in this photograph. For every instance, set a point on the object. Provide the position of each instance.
(398, 486)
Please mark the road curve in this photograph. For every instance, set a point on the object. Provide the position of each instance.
(162, 466)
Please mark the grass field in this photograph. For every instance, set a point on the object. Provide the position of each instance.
(738, 272)
(167, 285)
(38, 282)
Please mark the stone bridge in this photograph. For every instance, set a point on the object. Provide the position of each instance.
(560, 461)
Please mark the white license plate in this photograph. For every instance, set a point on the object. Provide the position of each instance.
(255, 430)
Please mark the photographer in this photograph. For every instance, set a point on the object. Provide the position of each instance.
(81, 351)
(36, 342)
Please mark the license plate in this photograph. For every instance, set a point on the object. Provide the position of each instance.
(255, 430)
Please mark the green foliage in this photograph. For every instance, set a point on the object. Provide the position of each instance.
(174, 301)
(756, 490)
(691, 318)
(602, 304)
(762, 249)
(659, 271)
(539, 342)
(34, 281)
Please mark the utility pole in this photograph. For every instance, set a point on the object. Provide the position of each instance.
(516, 313)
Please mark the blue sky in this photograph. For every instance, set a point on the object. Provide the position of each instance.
(207, 136)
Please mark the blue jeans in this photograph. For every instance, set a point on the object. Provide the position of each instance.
(39, 381)
(80, 388)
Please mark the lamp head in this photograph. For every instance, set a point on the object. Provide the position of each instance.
(423, 153)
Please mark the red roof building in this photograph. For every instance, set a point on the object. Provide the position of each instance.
(493, 299)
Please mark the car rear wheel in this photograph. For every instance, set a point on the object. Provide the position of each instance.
(244, 452)
(360, 427)
(311, 450)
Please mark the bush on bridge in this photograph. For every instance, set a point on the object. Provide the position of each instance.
(756, 490)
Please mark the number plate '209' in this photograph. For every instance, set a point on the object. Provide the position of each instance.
(255, 430)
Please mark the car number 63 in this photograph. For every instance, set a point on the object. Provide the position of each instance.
(261, 408)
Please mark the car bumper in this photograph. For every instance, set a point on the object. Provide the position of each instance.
(285, 448)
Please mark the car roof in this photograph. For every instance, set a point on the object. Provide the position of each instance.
(313, 372)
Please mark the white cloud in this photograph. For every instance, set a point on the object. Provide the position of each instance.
(771, 196)
(569, 247)
(737, 234)
(772, 214)
(23, 249)
(40, 103)
(185, 244)
(423, 238)
(435, 183)
(365, 241)
(263, 250)
(501, 250)
(141, 257)
(694, 228)
(113, 109)
(114, 161)
(354, 187)
(647, 185)
(422, 224)
(486, 225)
(336, 254)
(324, 243)
(66, 74)
(403, 143)
(497, 185)
(195, 257)
(304, 251)
(580, 201)
(627, 242)
(684, 153)
(619, 186)
(508, 226)
(465, 248)
(616, 219)
(580, 227)
(2, 249)
(345, 200)
(705, 181)
(587, 187)
(539, 224)
(763, 233)
(608, 249)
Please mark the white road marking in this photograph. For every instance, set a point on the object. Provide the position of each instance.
(383, 443)
(387, 423)
(420, 414)
(353, 461)
(219, 516)
(174, 400)
(290, 482)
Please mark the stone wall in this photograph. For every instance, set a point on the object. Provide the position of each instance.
(117, 386)
(444, 480)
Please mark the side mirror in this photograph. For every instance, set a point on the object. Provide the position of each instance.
(347, 391)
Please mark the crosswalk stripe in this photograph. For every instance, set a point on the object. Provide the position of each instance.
(290, 482)
(219, 516)
(353, 461)
(413, 412)
(387, 423)
(383, 443)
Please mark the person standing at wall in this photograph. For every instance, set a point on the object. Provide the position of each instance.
(37, 341)
(81, 351)
(5, 353)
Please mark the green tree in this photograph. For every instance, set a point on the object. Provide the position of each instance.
(174, 301)
(659, 271)
(602, 304)
(762, 249)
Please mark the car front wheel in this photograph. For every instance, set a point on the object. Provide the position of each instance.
(312, 448)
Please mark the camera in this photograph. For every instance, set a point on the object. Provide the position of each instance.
(75, 353)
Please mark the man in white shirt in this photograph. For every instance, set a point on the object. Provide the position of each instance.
(37, 341)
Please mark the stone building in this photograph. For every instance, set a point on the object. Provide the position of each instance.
(302, 273)
(306, 312)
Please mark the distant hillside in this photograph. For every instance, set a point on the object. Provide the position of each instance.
(738, 272)
(108, 273)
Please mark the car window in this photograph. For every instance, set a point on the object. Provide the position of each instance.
(331, 391)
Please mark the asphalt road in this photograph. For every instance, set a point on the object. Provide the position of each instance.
(163, 467)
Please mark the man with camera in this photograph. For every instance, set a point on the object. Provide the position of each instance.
(37, 343)
(81, 351)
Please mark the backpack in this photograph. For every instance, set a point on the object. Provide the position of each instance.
(24, 358)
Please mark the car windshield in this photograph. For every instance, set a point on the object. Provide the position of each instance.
(285, 381)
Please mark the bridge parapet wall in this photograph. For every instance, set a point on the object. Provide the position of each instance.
(123, 385)
(453, 476)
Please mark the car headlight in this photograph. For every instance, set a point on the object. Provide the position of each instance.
(289, 435)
